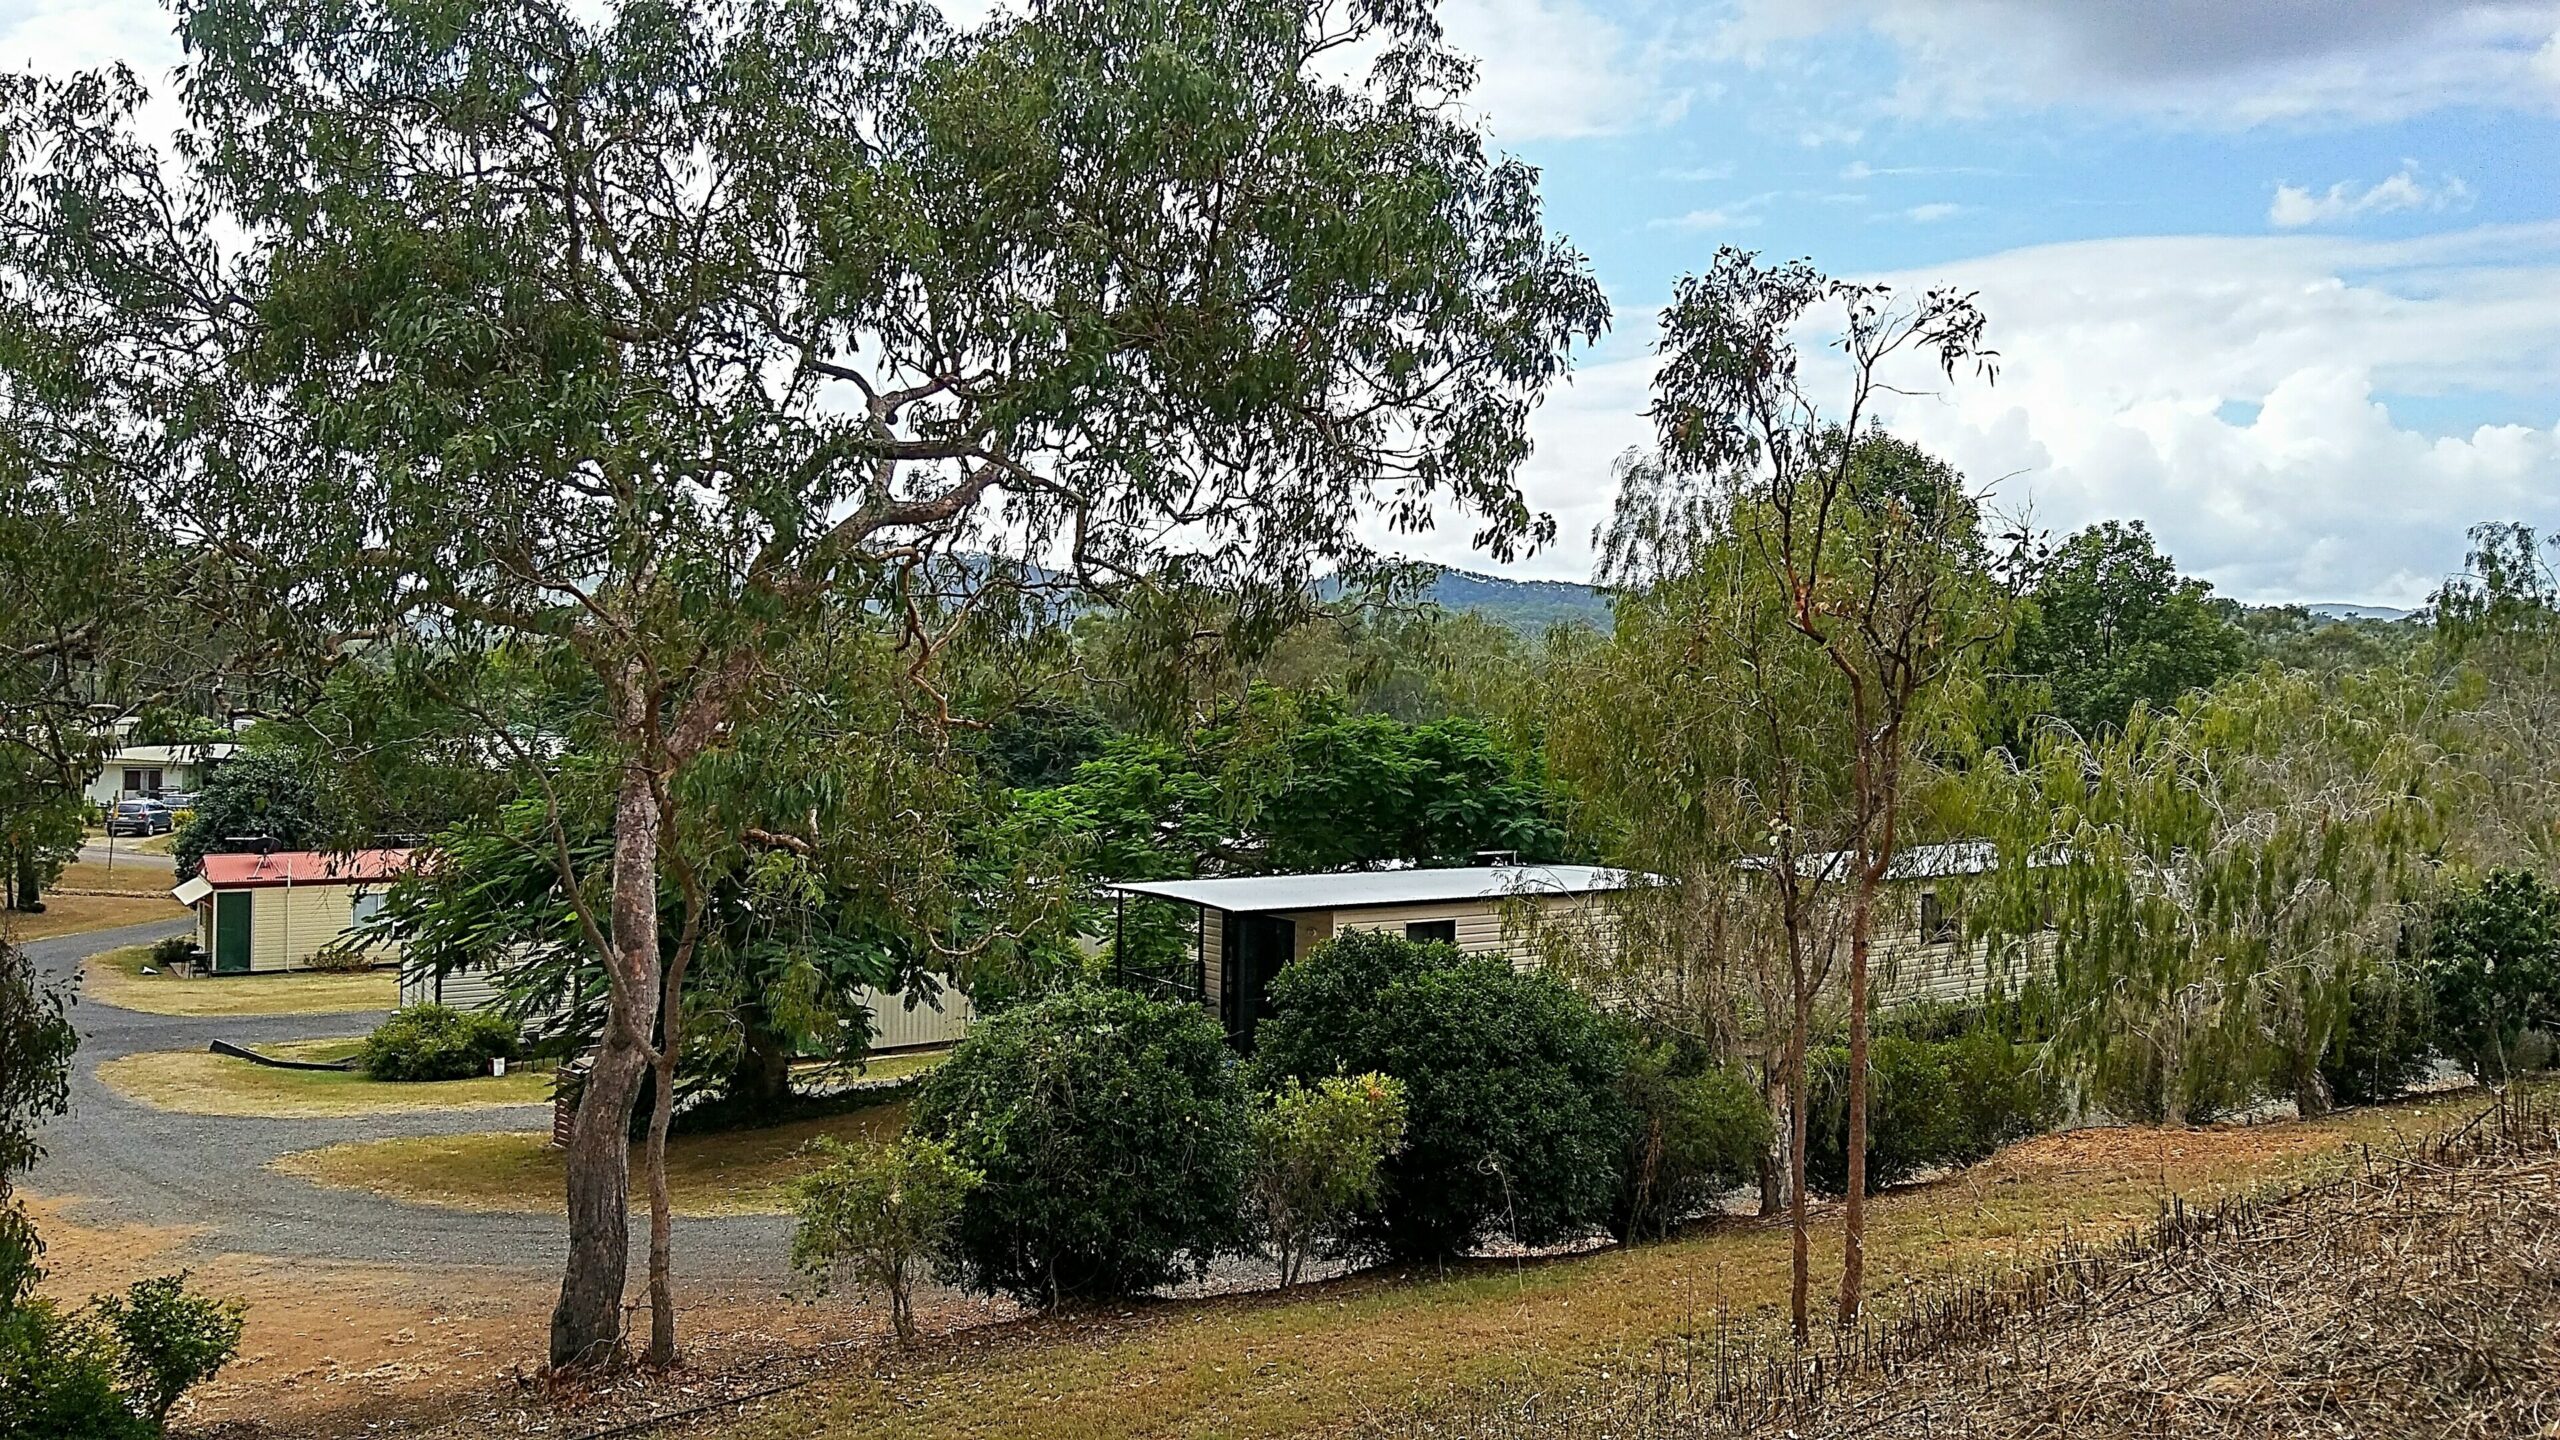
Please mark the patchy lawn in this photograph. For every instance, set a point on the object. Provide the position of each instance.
(1319, 1360)
(115, 978)
(78, 914)
(198, 1082)
(737, 1172)
(86, 877)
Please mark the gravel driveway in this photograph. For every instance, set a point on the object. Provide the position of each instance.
(131, 1163)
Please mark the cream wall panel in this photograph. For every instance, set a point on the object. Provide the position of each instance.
(291, 923)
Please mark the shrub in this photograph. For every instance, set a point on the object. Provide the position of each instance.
(57, 1379)
(879, 1211)
(111, 1371)
(2490, 957)
(1699, 1130)
(175, 952)
(1113, 1135)
(1319, 1161)
(351, 959)
(1929, 1105)
(168, 1340)
(436, 1042)
(2381, 1047)
(1514, 1122)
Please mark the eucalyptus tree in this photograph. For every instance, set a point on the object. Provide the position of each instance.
(2497, 627)
(2213, 882)
(1875, 548)
(659, 334)
(99, 609)
(1696, 743)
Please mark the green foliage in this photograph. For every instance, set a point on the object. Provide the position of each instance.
(2113, 625)
(266, 797)
(1114, 1136)
(1515, 1122)
(2384, 1043)
(1931, 1104)
(1319, 1160)
(436, 1042)
(175, 952)
(168, 1340)
(1700, 1130)
(1290, 783)
(879, 1211)
(58, 1379)
(2212, 882)
(2489, 956)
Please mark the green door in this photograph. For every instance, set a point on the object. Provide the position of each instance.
(231, 931)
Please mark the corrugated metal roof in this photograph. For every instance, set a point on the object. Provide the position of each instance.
(1359, 888)
(305, 867)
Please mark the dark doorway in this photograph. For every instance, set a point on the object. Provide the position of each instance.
(1251, 949)
(231, 931)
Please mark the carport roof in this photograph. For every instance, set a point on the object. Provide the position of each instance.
(1359, 889)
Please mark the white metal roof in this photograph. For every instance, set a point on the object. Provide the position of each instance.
(174, 754)
(1359, 888)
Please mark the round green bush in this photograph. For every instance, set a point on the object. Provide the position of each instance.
(436, 1042)
(1113, 1135)
(1515, 1126)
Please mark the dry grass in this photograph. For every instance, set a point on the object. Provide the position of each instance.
(740, 1172)
(79, 914)
(86, 878)
(2409, 1297)
(197, 1082)
(1326, 1359)
(115, 978)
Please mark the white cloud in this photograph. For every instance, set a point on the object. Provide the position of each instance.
(1717, 218)
(1932, 213)
(2295, 206)
(2239, 393)
(1557, 69)
(2207, 61)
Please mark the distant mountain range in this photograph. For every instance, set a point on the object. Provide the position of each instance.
(1525, 605)
(2333, 611)
(1532, 606)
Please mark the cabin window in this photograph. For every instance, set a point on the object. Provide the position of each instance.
(1423, 932)
(368, 904)
(1937, 923)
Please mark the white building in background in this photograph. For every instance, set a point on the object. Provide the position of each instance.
(153, 770)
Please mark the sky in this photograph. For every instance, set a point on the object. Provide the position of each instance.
(2280, 278)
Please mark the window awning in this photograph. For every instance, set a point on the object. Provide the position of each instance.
(192, 891)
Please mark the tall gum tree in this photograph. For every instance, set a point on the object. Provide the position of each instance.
(651, 336)
(1875, 547)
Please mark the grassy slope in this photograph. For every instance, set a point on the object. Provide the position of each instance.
(1318, 1361)
(743, 1172)
(199, 1083)
(115, 978)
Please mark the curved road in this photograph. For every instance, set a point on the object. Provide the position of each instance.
(132, 1163)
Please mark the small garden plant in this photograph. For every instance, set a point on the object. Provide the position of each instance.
(1319, 1161)
(878, 1214)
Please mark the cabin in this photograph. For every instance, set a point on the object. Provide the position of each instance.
(284, 909)
(1245, 928)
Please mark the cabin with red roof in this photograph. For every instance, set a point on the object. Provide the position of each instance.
(285, 909)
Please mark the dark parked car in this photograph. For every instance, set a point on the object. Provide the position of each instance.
(140, 817)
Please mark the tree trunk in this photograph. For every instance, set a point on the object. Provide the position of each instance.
(1799, 1295)
(662, 1295)
(1853, 1235)
(586, 1325)
(761, 1083)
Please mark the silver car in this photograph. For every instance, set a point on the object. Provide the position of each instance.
(140, 817)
